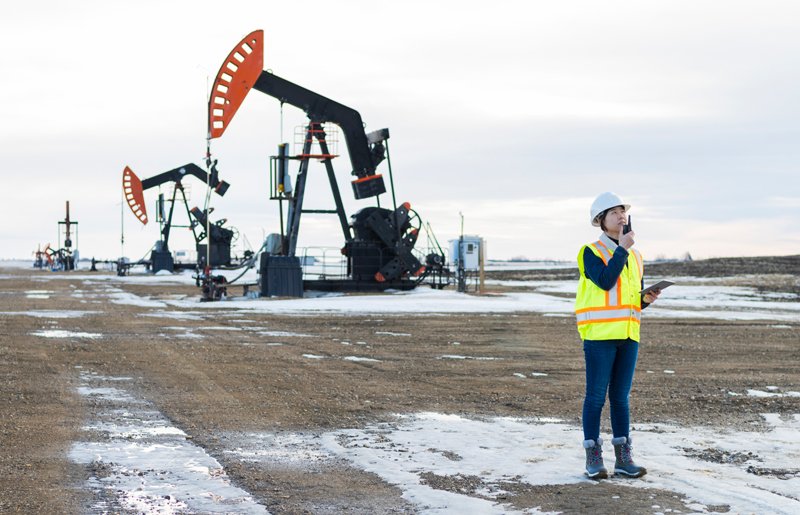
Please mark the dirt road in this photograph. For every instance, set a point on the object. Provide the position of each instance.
(232, 381)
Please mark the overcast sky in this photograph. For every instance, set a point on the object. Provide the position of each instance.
(514, 113)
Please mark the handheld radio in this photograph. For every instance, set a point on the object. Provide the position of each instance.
(628, 227)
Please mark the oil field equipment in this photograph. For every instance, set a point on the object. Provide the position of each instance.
(378, 241)
(467, 259)
(40, 257)
(218, 237)
(62, 257)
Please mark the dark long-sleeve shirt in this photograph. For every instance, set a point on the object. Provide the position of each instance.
(605, 276)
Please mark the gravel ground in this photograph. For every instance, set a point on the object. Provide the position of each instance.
(227, 383)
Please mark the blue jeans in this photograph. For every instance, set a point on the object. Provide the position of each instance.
(609, 369)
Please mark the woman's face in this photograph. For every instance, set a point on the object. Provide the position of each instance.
(614, 220)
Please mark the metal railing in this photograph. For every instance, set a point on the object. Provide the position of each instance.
(319, 263)
(323, 263)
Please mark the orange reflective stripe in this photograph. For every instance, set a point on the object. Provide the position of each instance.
(609, 308)
(605, 320)
(595, 316)
(627, 310)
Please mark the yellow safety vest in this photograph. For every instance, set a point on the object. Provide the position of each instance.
(614, 314)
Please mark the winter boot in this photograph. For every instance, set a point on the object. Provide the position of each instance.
(594, 459)
(625, 465)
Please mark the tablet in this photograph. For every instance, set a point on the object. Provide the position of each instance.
(660, 285)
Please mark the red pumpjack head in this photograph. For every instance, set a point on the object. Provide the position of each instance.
(236, 77)
(134, 195)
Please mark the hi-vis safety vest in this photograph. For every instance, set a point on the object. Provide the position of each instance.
(614, 314)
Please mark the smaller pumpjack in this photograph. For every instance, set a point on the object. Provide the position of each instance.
(61, 258)
(220, 238)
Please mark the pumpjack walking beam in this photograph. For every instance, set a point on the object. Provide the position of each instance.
(364, 157)
(177, 174)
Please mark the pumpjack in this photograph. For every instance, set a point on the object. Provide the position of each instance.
(378, 241)
(62, 257)
(219, 237)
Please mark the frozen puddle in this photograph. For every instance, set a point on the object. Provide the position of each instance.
(530, 374)
(60, 333)
(477, 358)
(773, 392)
(709, 469)
(139, 462)
(361, 359)
(284, 333)
(38, 294)
(50, 313)
(177, 315)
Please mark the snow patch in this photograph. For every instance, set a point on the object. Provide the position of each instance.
(177, 315)
(750, 473)
(50, 313)
(285, 448)
(60, 333)
(284, 333)
(140, 463)
(760, 393)
(705, 301)
(693, 299)
(130, 299)
(358, 358)
(477, 358)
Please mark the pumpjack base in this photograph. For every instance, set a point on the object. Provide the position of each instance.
(350, 285)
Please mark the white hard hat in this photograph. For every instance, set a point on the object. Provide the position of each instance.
(603, 202)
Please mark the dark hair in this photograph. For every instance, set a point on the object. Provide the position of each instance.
(602, 218)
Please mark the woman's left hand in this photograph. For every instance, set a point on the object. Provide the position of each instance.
(652, 296)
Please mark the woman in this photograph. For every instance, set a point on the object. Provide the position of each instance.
(608, 308)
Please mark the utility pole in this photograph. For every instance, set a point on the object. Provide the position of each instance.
(460, 272)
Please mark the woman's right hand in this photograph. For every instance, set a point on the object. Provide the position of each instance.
(626, 241)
